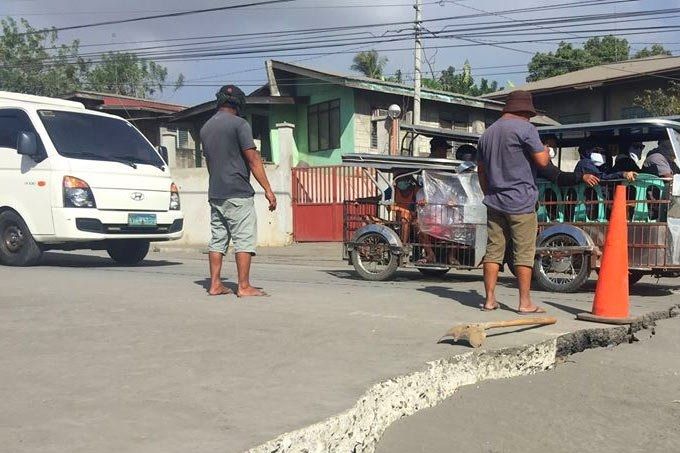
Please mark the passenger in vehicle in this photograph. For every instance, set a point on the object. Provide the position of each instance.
(467, 154)
(439, 148)
(594, 161)
(629, 157)
(404, 205)
(550, 141)
(661, 161)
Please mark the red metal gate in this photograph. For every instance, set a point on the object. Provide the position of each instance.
(318, 196)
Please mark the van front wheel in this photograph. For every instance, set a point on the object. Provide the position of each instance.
(17, 246)
(128, 252)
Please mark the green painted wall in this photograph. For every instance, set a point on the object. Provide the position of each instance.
(321, 93)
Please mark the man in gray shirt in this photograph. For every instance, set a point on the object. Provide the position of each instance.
(231, 156)
(509, 154)
(661, 161)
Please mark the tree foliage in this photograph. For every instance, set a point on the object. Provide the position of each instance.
(656, 49)
(661, 101)
(127, 74)
(595, 51)
(32, 62)
(463, 82)
(370, 64)
(26, 65)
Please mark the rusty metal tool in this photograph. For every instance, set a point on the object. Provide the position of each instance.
(475, 333)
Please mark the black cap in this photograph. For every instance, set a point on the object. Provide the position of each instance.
(439, 142)
(231, 96)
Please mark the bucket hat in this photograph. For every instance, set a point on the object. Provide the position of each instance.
(520, 101)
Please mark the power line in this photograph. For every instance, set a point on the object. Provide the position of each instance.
(472, 30)
(162, 16)
(295, 32)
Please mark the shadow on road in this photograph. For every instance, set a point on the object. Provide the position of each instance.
(470, 298)
(52, 259)
(205, 284)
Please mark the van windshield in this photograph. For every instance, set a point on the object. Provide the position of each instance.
(86, 136)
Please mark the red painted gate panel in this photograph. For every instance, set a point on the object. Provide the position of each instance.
(318, 197)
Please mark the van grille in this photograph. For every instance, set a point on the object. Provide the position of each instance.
(96, 226)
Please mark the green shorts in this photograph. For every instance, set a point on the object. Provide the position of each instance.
(233, 219)
(520, 228)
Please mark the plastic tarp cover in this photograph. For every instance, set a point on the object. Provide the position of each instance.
(450, 206)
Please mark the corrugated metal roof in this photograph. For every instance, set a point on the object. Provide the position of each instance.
(597, 75)
(365, 83)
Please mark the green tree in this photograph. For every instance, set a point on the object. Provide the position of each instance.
(369, 63)
(568, 58)
(32, 62)
(657, 49)
(462, 82)
(661, 101)
(398, 77)
(129, 75)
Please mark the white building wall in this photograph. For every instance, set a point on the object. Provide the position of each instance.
(273, 228)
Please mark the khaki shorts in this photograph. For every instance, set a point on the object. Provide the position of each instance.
(520, 228)
(233, 219)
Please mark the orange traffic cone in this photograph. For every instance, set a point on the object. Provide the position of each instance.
(611, 295)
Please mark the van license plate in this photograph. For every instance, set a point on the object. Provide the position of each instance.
(142, 220)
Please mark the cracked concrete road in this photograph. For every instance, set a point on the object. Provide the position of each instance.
(606, 400)
(103, 358)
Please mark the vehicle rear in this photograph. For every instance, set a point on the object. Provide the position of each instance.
(573, 221)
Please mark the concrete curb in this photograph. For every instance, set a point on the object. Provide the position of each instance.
(360, 428)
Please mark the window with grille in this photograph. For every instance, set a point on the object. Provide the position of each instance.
(323, 122)
(183, 139)
(374, 134)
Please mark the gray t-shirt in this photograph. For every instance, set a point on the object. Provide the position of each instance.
(505, 150)
(225, 137)
(657, 164)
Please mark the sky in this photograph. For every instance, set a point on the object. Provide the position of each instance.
(249, 72)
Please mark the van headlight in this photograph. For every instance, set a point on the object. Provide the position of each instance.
(174, 198)
(77, 193)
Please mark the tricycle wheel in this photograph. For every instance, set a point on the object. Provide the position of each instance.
(434, 271)
(634, 277)
(561, 273)
(373, 258)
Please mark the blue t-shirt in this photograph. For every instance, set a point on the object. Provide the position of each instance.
(505, 150)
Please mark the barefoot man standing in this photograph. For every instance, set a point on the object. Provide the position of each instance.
(509, 154)
(231, 156)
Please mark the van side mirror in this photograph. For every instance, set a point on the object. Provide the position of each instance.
(163, 151)
(27, 144)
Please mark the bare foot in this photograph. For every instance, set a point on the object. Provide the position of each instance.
(491, 306)
(530, 310)
(220, 290)
(251, 291)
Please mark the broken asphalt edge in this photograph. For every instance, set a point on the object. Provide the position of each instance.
(360, 428)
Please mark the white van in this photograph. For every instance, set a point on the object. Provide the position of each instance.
(71, 178)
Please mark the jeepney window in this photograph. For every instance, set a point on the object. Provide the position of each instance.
(674, 135)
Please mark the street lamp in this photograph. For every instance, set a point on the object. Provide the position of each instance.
(394, 111)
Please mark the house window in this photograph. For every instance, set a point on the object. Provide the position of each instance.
(183, 139)
(575, 118)
(260, 125)
(633, 112)
(374, 134)
(324, 126)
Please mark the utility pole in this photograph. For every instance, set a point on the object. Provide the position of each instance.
(417, 79)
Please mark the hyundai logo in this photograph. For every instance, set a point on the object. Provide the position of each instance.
(137, 196)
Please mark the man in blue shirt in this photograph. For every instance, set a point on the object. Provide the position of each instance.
(510, 153)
